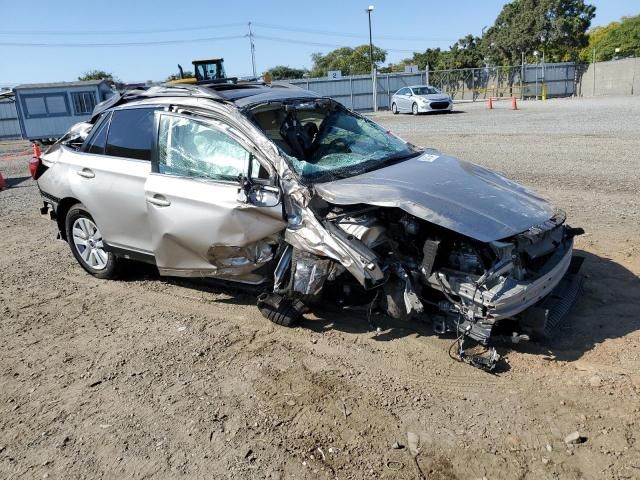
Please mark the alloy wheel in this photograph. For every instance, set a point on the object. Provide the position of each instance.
(87, 241)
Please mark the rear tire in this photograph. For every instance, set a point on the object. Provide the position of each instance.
(414, 109)
(394, 108)
(86, 243)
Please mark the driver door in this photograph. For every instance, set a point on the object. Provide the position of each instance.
(203, 222)
(403, 99)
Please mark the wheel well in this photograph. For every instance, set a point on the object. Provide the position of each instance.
(61, 214)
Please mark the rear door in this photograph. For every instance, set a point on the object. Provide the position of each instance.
(109, 173)
(200, 223)
(403, 104)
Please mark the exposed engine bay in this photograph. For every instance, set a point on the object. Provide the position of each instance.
(400, 264)
(430, 270)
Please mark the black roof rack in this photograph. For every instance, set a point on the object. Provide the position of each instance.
(229, 92)
(221, 87)
(166, 90)
(181, 90)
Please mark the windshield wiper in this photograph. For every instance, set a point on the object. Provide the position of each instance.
(400, 156)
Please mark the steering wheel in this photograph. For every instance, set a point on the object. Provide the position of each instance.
(339, 144)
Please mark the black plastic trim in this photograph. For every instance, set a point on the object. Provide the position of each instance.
(130, 254)
(48, 196)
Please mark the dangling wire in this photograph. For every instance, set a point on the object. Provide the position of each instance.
(370, 309)
(459, 341)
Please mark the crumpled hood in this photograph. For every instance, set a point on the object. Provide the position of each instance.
(455, 194)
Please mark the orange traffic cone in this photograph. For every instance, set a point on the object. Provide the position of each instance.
(34, 163)
(490, 103)
(3, 184)
(514, 103)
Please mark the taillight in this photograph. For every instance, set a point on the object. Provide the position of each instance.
(35, 163)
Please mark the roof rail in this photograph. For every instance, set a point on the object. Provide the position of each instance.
(179, 90)
(221, 87)
(165, 90)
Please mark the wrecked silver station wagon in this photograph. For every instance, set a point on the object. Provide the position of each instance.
(277, 187)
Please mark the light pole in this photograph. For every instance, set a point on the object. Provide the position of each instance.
(542, 39)
(373, 66)
(535, 54)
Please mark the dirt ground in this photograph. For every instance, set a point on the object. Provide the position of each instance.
(159, 378)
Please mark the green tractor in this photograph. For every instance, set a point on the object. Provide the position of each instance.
(206, 72)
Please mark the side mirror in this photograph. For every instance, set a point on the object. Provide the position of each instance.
(257, 194)
(264, 196)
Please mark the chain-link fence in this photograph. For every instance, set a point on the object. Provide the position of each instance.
(526, 81)
(355, 92)
(523, 81)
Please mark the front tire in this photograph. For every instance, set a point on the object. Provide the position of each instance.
(86, 243)
(280, 310)
(394, 108)
(414, 109)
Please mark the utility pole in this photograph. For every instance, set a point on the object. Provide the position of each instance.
(373, 65)
(253, 51)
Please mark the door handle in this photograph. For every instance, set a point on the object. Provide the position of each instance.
(86, 173)
(158, 200)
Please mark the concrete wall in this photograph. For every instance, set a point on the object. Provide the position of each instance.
(617, 77)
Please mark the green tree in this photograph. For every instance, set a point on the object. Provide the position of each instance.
(176, 76)
(468, 52)
(283, 72)
(624, 35)
(98, 75)
(434, 57)
(351, 61)
(556, 26)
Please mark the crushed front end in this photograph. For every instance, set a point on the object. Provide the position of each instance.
(411, 269)
(374, 221)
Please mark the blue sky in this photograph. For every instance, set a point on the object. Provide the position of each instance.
(421, 24)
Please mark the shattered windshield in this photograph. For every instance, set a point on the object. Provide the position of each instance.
(324, 141)
(424, 90)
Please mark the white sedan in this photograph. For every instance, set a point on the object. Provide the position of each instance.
(420, 98)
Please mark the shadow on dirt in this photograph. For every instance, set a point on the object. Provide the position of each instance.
(606, 308)
(239, 294)
(436, 113)
(14, 182)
